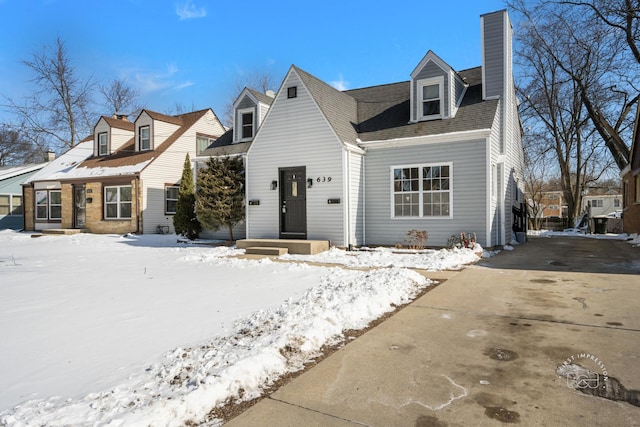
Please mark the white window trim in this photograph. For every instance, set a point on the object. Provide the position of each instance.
(106, 144)
(140, 148)
(420, 191)
(48, 204)
(240, 113)
(429, 82)
(166, 199)
(118, 202)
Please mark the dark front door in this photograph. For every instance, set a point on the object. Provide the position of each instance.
(293, 203)
(80, 207)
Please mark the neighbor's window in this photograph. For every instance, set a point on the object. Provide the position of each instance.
(103, 144)
(616, 203)
(202, 142)
(596, 203)
(5, 204)
(422, 191)
(430, 94)
(16, 205)
(170, 199)
(144, 138)
(117, 202)
(49, 205)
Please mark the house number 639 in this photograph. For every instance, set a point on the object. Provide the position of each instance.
(323, 179)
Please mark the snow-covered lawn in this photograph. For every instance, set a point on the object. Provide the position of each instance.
(141, 330)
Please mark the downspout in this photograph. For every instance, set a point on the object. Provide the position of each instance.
(347, 198)
(364, 204)
(139, 224)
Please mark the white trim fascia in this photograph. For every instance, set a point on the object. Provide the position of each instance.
(430, 56)
(427, 139)
(346, 181)
(247, 93)
(353, 148)
(483, 65)
(488, 190)
(247, 171)
(326, 120)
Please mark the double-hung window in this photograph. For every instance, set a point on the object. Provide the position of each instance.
(430, 98)
(117, 202)
(170, 199)
(144, 138)
(10, 204)
(421, 191)
(49, 205)
(246, 123)
(103, 144)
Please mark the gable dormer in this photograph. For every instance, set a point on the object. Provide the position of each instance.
(152, 129)
(249, 109)
(436, 90)
(111, 133)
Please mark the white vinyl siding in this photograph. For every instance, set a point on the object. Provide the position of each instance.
(167, 168)
(306, 141)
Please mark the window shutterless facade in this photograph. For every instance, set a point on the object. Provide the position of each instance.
(10, 204)
(49, 205)
(170, 199)
(421, 191)
(247, 125)
(103, 144)
(144, 138)
(117, 202)
(430, 98)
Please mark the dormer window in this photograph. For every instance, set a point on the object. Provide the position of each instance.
(430, 92)
(246, 120)
(144, 138)
(103, 144)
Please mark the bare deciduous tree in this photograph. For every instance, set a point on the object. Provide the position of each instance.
(58, 111)
(260, 81)
(120, 98)
(553, 113)
(16, 148)
(584, 40)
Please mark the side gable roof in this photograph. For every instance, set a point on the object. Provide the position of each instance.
(7, 172)
(383, 111)
(126, 160)
(339, 108)
(66, 163)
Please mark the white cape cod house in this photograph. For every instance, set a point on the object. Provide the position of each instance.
(441, 152)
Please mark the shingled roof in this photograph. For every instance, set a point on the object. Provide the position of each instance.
(128, 161)
(224, 146)
(382, 112)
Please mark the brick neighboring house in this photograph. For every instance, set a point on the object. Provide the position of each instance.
(631, 185)
(124, 178)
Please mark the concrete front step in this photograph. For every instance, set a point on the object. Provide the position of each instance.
(303, 247)
(63, 231)
(266, 250)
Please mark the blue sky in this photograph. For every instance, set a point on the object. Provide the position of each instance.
(192, 52)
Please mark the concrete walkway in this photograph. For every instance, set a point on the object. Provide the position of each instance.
(483, 349)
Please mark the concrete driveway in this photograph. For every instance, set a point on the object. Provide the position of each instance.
(484, 348)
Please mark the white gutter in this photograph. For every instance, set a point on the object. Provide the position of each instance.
(427, 139)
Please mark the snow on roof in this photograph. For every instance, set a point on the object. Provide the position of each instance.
(61, 166)
(11, 171)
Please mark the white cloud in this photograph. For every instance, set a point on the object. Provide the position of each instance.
(188, 10)
(340, 84)
(152, 81)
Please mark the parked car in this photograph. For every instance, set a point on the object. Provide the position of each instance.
(615, 214)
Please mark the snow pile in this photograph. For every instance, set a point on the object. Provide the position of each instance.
(428, 259)
(87, 318)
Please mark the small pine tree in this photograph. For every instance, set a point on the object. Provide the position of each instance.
(185, 220)
(220, 194)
